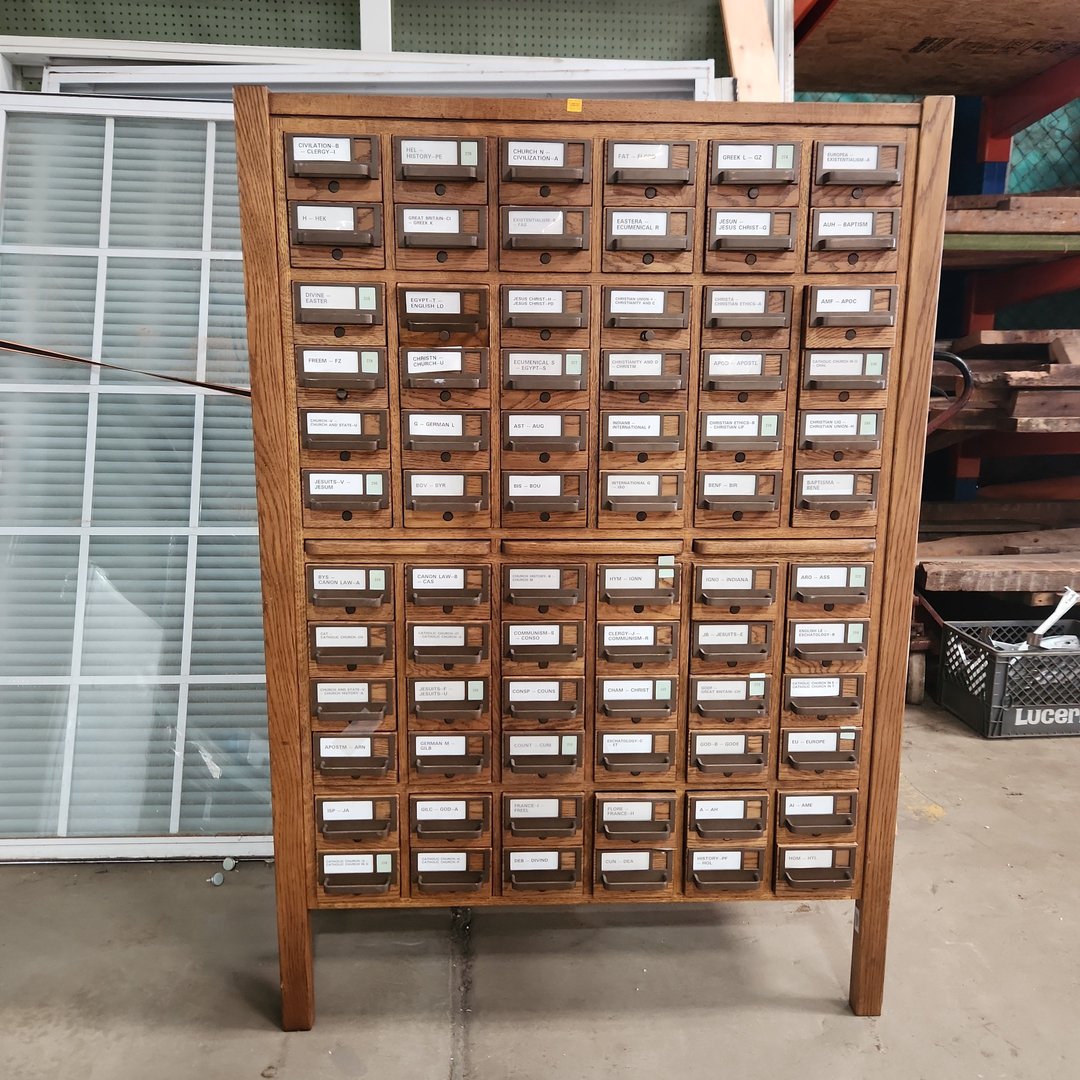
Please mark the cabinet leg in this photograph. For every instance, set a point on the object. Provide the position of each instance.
(868, 946)
(297, 975)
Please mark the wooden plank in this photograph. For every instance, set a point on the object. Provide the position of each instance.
(1064, 350)
(1044, 540)
(1044, 423)
(867, 985)
(1049, 489)
(1050, 220)
(1063, 376)
(1002, 573)
(993, 517)
(749, 42)
(1063, 199)
(1028, 343)
(1047, 403)
(278, 524)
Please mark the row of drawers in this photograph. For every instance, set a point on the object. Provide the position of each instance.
(851, 173)
(350, 235)
(860, 312)
(622, 753)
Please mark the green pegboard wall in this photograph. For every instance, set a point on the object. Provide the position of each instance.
(317, 24)
(616, 29)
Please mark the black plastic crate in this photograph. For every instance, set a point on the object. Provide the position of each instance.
(1003, 693)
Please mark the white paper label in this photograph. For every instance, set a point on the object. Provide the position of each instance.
(830, 300)
(443, 862)
(344, 748)
(720, 809)
(849, 157)
(633, 484)
(428, 636)
(535, 579)
(438, 690)
(452, 484)
(343, 361)
(439, 810)
(534, 808)
(726, 578)
(519, 301)
(348, 864)
(640, 155)
(723, 634)
(347, 810)
(431, 578)
(533, 691)
(626, 689)
(626, 744)
(635, 364)
(819, 633)
(629, 578)
(534, 634)
(814, 688)
(321, 148)
(720, 744)
(326, 217)
(812, 741)
(432, 303)
(533, 860)
(534, 364)
(429, 152)
(436, 424)
(533, 425)
(830, 424)
(634, 634)
(638, 223)
(627, 811)
(744, 156)
(539, 487)
(328, 692)
(534, 745)
(729, 484)
(431, 221)
(440, 745)
(716, 860)
(844, 223)
(742, 224)
(722, 690)
(834, 363)
(334, 423)
(339, 637)
(636, 301)
(534, 223)
(417, 363)
(736, 363)
(634, 425)
(795, 859)
(831, 577)
(857, 577)
(731, 425)
(737, 301)
(339, 579)
(335, 297)
(546, 154)
(809, 804)
(828, 484)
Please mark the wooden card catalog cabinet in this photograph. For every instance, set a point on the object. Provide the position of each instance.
(587, 497)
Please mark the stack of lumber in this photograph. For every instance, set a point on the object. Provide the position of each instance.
(1024, 380)
(1034, 565)
(983, 231)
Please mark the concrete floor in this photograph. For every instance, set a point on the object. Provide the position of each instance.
(149, 973)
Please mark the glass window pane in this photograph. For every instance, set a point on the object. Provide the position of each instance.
(151, 318)
(134, 606)
(158, 180)
(142, 468)
(38, 584)
(52, 179)
(226, 325)
(226, 213)
(33, 720)
(47, 301)
(228, 463)
(121, 782)
(42, 455)
(226, 634)
(226, 784)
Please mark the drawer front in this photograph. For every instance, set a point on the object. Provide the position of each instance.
(649, 173)
(853, 241)
(557, 591)
(554, 701)
(621, 874)
(855, 173)
(349, 824)
(357, 309)
(740, 498)
(849, 437)
(441, 759)
(353, 761)
(731, 700)
(637, 699)
(529, 873)
(647, 646)
(658, 238)
(447, 646)
(461, 590)
(362, 877)
(351, 161)
(816, 817)
(817, 699)
(820, 754)
(638, 589)
(835, 496)
(352, 645)
(458, 819)
(728, 758)
(436, 703)
(438, 167)
(461, 497)
(754, 174)
(727, 817)
(817, 871)
(534, 647)
(541, 498)
(430, 316)
(744, 588)
(630, 756)
(844, 377)
(336, 234)
(540, 817)
(632, 499)
(850, 316)
(340, 372)
(548, 239)
(826, 645)
(545, 171)
(531, 440)
(342, 590)
(727, 873)
(744, 377)
(758, 241)
(539, 756)
(449, 377)
(747, 317)
(817, 588)
(335, 704)
(442, 872)
(660, 315)
(636, 817)
(540, 317)
(751, 439)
